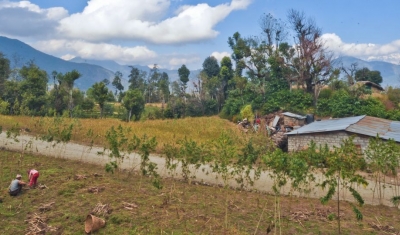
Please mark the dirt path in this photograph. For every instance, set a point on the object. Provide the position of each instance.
(204, 174)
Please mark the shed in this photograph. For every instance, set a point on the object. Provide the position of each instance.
(333, 131)
(373, 87)
(291, 119)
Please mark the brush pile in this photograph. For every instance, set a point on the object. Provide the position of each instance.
(38, 225)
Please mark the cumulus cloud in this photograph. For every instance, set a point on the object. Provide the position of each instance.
(90, 33)
(147, 20)
(220, 55)
(26, 19)
(176, 61)
(368, 51)
(104, 51)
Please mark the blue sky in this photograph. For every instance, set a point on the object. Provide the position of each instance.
(175, 32)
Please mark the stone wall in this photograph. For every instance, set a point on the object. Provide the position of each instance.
(299, 142)
(291, 121)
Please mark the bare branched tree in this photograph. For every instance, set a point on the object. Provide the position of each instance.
(350, 72)
(313, 61)
(274, 30)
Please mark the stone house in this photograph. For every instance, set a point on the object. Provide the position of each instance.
(291, 119)
(333, 131)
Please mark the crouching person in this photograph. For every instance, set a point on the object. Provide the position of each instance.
(33, 175)
(16, 186)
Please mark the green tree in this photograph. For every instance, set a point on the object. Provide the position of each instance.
(134, 103)
(184, 73)
(164, 88)
(211, 67)
(12, 95)
(5, 71)
(240, 50)
(67, 81)
(117, 84)
(152, 91)
(99, 93)
(137, 79)
(226, 74)
(33, 89)
(365, 74)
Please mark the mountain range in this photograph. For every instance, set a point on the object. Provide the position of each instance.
(92, 71)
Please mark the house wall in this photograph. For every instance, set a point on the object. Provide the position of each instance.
(290, 121)
(299, 142)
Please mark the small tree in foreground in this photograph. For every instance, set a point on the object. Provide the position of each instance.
(343, 163)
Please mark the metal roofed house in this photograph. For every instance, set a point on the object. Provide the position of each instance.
(333, 131)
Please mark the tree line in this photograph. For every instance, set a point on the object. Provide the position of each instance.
(269, 72)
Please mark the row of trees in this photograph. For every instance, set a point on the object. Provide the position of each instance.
(267, 72)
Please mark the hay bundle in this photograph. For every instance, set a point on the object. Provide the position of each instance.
(101, 209)
(37, 225)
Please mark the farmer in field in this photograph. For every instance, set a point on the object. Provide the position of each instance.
(16, 186)
(33, 175)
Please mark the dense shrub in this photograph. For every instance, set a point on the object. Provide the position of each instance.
(343, 104)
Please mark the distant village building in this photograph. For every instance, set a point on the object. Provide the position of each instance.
(291, 119)
(373, 87)
(333, 131)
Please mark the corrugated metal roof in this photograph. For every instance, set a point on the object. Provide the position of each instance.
(327, 125)
(289, 114)
(363, 125)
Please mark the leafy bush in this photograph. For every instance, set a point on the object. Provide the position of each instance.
(247, 112)
(296, 101)
(151, 113)
(343, 104)
(325, 94)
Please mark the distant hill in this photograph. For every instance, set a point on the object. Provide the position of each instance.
(389, 72)
(20, 53)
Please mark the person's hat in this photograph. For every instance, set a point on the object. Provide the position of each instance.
(18, 176)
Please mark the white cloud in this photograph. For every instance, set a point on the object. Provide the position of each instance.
(368, 51)
(54, 13)
(141, 20)
(103, 51)
(177, 61)
(24, 19)
(220, 55)
(67, 57)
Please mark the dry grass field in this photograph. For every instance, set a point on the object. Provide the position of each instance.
(166, 131)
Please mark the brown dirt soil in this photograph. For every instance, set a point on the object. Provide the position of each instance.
(131, 205)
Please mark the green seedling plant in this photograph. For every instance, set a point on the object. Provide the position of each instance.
(13, 133)
(58, 131)
(145, 145)
(87, 148)
(383, 159)
(191, 155)
(171, 152)
(224, 152)
(247, 172)
(300, 173)
(277, 162)
(342, 166)
(117, 145)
